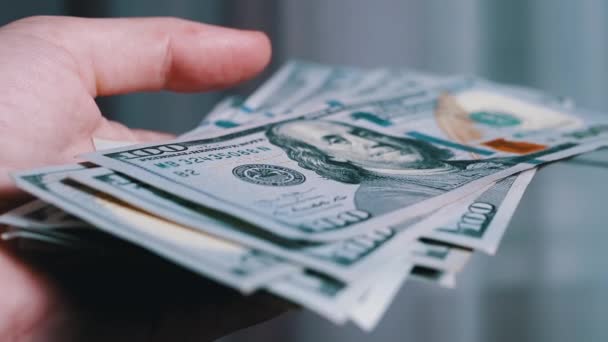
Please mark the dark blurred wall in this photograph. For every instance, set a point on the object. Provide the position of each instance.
(13, 10)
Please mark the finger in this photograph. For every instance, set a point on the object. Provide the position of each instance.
(117, 56)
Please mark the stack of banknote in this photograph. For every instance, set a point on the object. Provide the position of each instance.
(329, 186)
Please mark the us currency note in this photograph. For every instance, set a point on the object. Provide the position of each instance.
(488, 232)
(37, 214)
(346, 260)
(478, 223)
(53, 233)
(297, 82)
(44, 223)
(56, 239)
(364, 302)
(432, 254)
(231, 264)
(426, 253)
(373, 303)
(440, 256)
(317, 292)
(480, 220)
(321, 294)
(301, 85)
(305, 85)
(333, 299)
(294, 83)
(481, 223)
(340, 85)
(341, 172)
(471, 227)
(433, 276)
(473, 224)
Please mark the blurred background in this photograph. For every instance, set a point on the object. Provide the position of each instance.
(549, 279)
(558, 45)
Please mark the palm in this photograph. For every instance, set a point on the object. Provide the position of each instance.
(47, 104)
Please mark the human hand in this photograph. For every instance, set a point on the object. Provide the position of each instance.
(52, 69)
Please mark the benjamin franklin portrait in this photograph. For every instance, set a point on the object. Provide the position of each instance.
(392, 172)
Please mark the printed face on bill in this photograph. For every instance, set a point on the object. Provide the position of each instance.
(363, 148)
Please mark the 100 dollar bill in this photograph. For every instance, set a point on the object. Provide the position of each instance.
(344, 171)
(226, 262)
(301, 85)
(223, 261)
(481, 220)
(478, 223)
(39, 215)
(346, 260)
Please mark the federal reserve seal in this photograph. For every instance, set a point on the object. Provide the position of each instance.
(270, 175)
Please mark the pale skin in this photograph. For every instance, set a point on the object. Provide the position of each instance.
(52, 69)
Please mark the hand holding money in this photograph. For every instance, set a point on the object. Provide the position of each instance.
(328, 187)
(52, 69)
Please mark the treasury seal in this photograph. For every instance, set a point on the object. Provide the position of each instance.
(270, 175)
